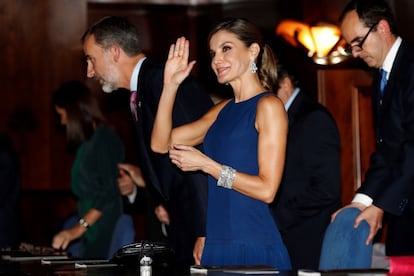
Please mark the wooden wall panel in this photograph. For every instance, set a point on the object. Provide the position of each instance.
(345, 92)
(363, 131)
(40, 49)
(23, 37)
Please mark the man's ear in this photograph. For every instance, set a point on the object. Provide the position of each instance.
(115, 51)
(284, 90)
(285, 82)
(383, 27)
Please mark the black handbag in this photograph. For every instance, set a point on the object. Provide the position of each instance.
(160, 253)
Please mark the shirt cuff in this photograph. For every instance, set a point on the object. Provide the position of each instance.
(363, 199)
(131, 197)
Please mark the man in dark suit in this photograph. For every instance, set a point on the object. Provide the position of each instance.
(310, 190)
(115, 58)
(9, 195)
(138, 199)
(368, 26)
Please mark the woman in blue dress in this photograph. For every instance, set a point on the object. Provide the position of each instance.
(244, 146)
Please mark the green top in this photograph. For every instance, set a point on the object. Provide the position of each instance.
(94, 182)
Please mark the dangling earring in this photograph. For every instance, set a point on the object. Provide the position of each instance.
(253, 67)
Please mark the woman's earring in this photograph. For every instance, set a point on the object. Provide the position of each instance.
(253, 67)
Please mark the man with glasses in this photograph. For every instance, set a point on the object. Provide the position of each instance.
(356, 44)
(369, 28)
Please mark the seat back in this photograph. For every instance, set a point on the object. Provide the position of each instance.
(124, 233)
(343, 245)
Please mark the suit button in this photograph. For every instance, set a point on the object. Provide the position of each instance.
(403, 203)
(379, 141)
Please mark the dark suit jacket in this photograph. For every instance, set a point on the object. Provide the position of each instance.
(9, 195)
(185, 193)
(311, 185)
(390, 177)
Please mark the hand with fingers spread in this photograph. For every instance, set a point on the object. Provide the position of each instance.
(177, 67)
(373, 216)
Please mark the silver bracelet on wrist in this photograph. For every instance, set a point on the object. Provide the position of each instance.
(226, 178)
(84, 223)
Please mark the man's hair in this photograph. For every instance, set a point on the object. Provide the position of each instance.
(115, 30)
(371, 12)
(285, 72)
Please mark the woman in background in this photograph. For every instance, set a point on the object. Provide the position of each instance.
(94, 171)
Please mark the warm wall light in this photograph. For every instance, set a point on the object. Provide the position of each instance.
(320, 40)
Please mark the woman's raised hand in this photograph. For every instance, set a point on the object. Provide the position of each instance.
(177, 67)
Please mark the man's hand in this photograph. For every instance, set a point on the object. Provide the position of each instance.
(373, 216)
(129, 175)
(162, 214)
(198, 250)
(352, 205)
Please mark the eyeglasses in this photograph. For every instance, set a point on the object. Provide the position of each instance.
(358, 47)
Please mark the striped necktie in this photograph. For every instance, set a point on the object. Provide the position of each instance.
(133, 105)
(383, 81)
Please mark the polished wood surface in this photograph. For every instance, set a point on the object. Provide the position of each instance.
(36, 269)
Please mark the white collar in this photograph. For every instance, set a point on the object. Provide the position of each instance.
(134, 78)
(389, 59)
(292, 98)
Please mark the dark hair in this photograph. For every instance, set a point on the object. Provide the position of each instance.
(285, 72)
(115, 30)
(82, 109)
(249, 33)
(7, 149)
(371, 12)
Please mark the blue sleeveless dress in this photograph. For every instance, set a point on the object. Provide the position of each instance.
(240, 229)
